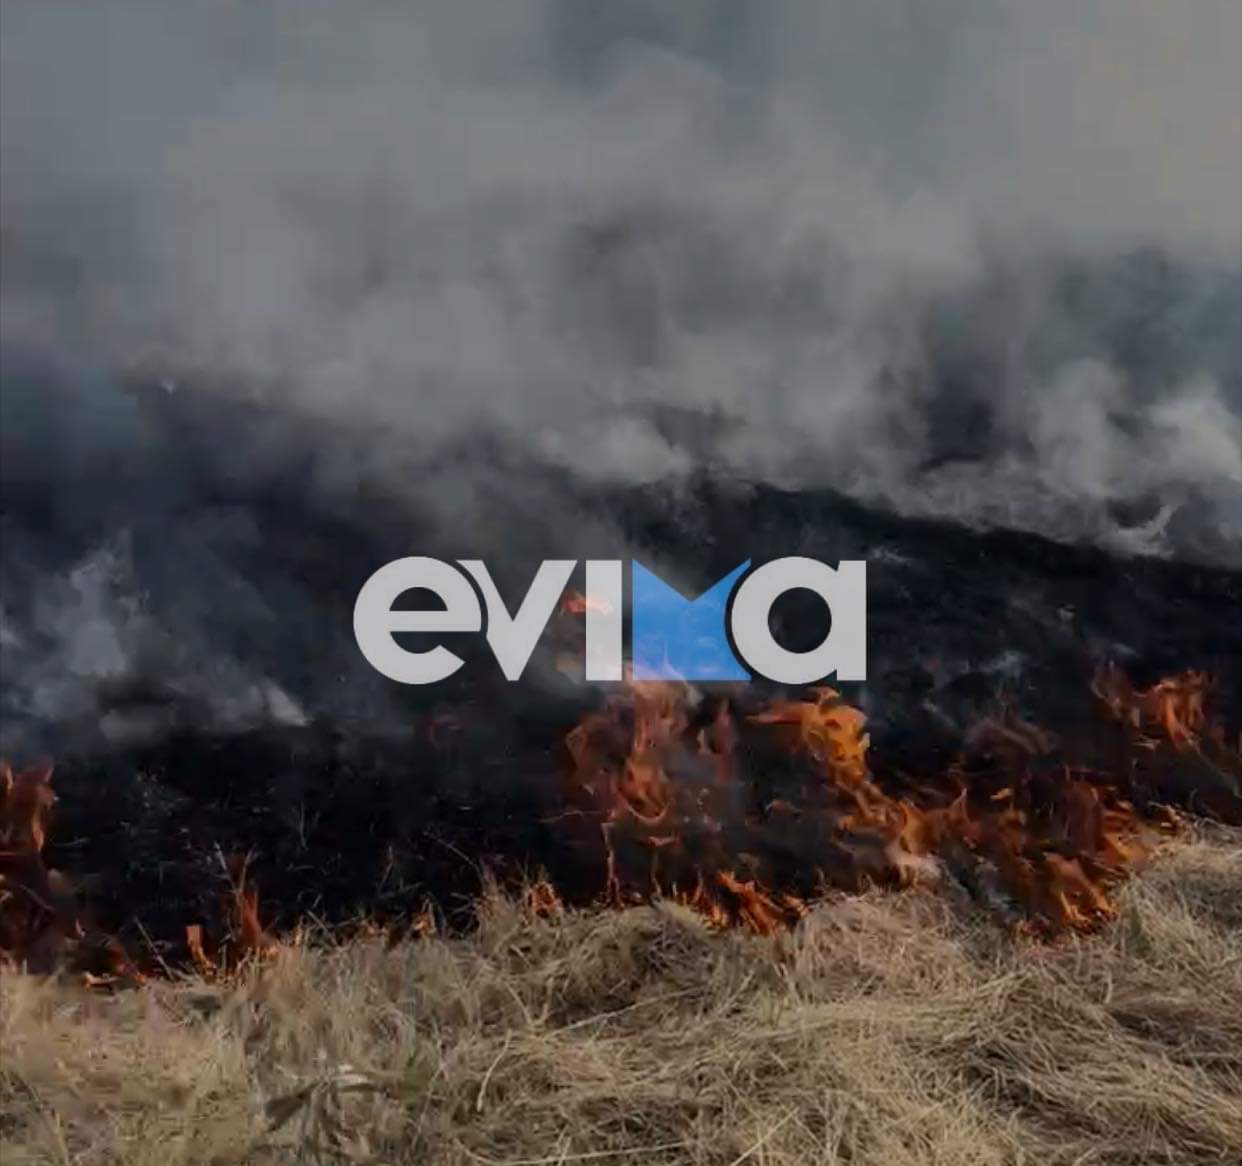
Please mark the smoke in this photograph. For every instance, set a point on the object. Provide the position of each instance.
(978, 261)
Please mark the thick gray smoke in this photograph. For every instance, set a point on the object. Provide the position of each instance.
(977, 260)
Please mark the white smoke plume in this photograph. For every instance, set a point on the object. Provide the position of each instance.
(978, 260)
(547, 217)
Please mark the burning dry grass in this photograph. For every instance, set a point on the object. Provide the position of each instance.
(1045, 841)
(884, 1028)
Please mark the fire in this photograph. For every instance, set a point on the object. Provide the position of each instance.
(246, 936)
(745, 812)
(541, 898)
(682, 799)
(1174, 709)
(34, 919)
(575, 603)
(40, 926)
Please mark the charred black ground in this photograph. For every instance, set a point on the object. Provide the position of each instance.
(385, 797)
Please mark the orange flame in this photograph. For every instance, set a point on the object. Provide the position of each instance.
(683, 792)
(575, 603)
(1174, 709)
(1044, 845)
(39, 922)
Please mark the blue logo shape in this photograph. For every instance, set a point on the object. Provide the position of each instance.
(675, 638)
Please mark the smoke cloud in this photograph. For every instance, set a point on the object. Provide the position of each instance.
(980, 260)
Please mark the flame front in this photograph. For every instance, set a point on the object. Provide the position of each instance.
(745, 813)
(743, 816)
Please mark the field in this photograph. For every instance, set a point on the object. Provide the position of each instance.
(887, 1028)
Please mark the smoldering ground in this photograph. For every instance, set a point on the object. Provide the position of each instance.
(364, 274)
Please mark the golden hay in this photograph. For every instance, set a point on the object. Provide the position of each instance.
(890, 1029)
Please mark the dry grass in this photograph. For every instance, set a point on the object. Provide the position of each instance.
(888, 1029)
